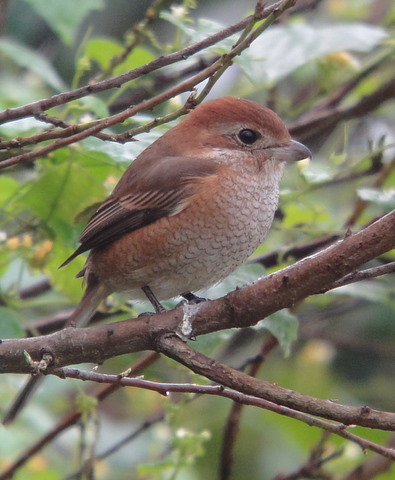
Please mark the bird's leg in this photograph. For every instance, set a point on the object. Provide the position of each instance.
(159, 308)
(192, 298)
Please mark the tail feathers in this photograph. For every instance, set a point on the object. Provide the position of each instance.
(93, 296)
(79, 250)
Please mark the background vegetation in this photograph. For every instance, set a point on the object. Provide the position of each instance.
(327, 68)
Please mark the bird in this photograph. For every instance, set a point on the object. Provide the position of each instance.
(190, 209)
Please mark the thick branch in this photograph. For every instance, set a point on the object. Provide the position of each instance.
(241, 308)
(173, 347)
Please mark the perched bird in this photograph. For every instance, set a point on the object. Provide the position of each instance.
(190, 209)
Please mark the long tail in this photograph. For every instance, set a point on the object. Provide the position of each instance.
(93, 296)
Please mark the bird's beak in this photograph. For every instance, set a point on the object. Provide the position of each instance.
(294, 152)
(290, 152)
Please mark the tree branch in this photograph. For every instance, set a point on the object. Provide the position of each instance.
(241, 308)
(33, 108)
(173, 347)
(321, 121)
(218, 390)
(76, 133)
(72, 418)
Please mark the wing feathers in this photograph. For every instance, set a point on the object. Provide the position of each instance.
(144, 202)
(128, 213)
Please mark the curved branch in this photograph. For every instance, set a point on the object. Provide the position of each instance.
(241, 308)
(218, 390)
(175, 348)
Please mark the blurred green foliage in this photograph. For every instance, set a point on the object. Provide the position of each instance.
(344, 347)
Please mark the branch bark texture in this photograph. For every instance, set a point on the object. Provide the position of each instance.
(241, 308)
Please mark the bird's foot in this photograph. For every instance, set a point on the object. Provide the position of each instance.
(159, 308)
(192, 298)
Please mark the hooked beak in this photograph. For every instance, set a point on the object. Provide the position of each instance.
(294, 152)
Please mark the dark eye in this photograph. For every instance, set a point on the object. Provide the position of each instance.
(248, 136)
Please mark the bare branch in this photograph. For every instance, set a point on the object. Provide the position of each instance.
(72, 418)
(212, 72)
(219, 390)
(173, 347)
(32, 109)
(366, 274)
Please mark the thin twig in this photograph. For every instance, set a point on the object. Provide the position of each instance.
(218, 390)
(214, 71)
(231, 429)
(366, 274)
(71, 419)
(32, 109)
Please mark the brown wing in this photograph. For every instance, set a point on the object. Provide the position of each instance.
(141, 197)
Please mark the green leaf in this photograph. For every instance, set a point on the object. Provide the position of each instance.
(283, 49)
(18, 127)
(32, 61)
(61, 192)
(85, 106)
(129, 151)
(370, 291)
(187, 446)
(284, 326)
(65, 17)
(139, 56)
(8, 186)
(174, 20)
(316, 174)
(297, 214)
(10, 324)
(206, 27)
(42, 473)
(86, 405)
(101, 50)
